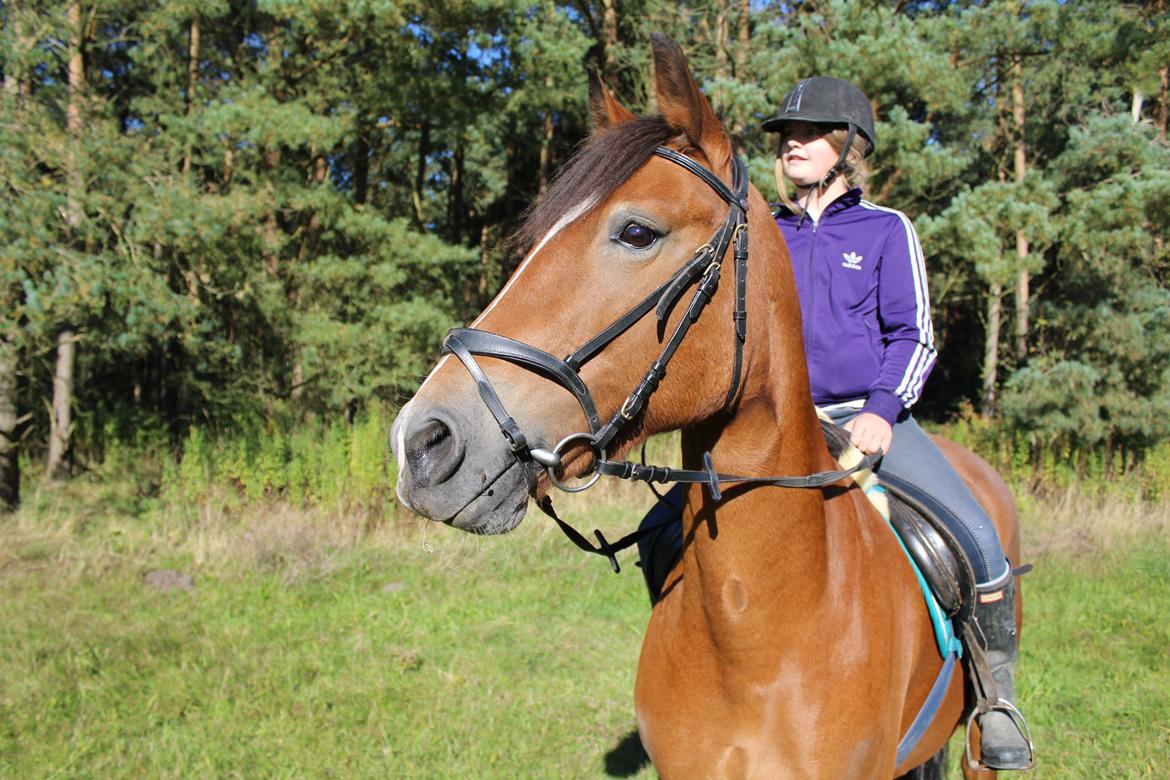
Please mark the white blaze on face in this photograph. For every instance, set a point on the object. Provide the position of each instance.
(404, 415)
(572, 215)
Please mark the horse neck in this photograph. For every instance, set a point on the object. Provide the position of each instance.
(761, 542)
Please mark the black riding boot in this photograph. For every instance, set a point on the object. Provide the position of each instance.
(1005, 741)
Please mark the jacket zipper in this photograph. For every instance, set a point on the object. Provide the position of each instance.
(812, 292)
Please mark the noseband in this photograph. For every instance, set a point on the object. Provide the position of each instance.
(703, 269)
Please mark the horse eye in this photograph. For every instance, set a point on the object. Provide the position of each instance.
(637, 236)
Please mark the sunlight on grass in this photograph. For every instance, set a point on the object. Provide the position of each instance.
(325, 643)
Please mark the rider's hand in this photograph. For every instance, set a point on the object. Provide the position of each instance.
(870, 433)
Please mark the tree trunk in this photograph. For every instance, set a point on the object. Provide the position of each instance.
(229, 159)
(76, 180)
(484, 261)
(457, 203)
(192, 81)
(991, 349)
(1023, 276)
(416, 190)
(15, 89)
(546, 143)
(1162, 116)
(744, 39)
(721, 37)
(9, 449)
(609, 39)
(61, 413)
(271, 230)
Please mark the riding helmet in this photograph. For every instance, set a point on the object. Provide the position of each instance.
(827, 100)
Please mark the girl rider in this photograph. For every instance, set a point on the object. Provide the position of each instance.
(869, 344)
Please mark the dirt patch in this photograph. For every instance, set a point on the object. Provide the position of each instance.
(167, 580)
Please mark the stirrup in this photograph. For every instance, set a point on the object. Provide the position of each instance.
(1017, 718)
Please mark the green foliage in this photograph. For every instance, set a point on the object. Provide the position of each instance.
(325, 464)
(288, 221)
(1058, 398)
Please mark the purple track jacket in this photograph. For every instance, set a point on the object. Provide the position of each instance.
(864, 303)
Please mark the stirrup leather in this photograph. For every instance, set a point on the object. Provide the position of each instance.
(1017, 718)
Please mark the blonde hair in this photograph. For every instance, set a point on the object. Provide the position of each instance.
(855, 171)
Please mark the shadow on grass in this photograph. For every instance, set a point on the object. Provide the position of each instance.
(627, 757)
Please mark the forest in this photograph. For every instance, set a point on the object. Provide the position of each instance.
(226, 217)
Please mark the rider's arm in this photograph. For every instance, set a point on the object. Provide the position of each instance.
(904, 319)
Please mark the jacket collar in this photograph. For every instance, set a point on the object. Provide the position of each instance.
(847, 200)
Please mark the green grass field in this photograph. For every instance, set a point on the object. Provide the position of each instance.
(329, 644)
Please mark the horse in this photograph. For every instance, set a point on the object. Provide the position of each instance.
(791, 638)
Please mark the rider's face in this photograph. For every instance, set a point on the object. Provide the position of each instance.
(805, 153)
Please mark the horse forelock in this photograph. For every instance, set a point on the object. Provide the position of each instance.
(592, 174)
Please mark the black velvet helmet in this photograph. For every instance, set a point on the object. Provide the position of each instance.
(827, 100)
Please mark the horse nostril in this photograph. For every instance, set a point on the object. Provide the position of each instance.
(432, 452)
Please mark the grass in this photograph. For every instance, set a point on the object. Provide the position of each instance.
(343, 643)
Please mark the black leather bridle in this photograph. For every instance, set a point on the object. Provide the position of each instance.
(703, 271)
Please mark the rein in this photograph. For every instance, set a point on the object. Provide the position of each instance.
(702, 271)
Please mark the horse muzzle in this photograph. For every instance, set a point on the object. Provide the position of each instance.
(455, 468)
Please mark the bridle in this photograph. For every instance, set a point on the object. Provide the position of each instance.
(703, 268)
(703, 271)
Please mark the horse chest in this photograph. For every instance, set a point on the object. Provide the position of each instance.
(767, 707)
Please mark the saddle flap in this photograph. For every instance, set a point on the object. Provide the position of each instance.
(935, 549)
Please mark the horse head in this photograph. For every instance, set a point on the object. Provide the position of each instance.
(635, 223)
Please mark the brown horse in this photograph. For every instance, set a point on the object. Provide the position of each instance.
(791, 640)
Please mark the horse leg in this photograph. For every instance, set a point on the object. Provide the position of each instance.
(976, 774)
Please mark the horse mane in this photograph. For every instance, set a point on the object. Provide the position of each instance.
(600, 166)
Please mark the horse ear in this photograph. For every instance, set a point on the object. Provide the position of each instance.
(604, 107)
(683, 106)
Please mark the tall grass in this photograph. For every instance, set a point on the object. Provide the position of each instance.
(317, 645)
(1032, 464)
(325, 464)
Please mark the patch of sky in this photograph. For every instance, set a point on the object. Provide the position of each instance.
(489, 50)
(420, 32)
(44, 75)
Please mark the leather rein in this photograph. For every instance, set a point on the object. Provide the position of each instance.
(703, 272)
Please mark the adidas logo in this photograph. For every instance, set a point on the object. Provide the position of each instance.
(852, 260)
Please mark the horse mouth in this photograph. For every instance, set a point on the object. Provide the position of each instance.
(498, 508)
